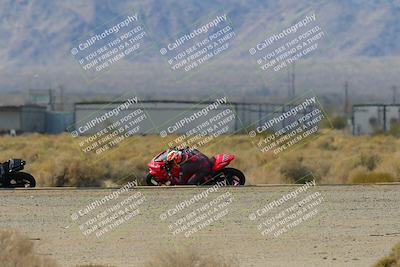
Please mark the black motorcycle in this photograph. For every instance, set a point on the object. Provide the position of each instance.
(12, 177)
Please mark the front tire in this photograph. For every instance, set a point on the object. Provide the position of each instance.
(150, 180)
(20, 179)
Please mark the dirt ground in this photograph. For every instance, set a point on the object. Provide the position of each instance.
(354, 226)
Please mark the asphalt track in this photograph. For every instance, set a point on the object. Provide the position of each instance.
(355, 225)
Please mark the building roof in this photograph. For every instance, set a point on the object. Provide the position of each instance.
(171, 101)
(19, 107)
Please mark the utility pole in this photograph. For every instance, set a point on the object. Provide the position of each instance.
(346, 98)
(394, 89)
(51, 99)
(291, 82)
(62, 97)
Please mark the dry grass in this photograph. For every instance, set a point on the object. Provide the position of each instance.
(371, 177)
(94, 265)
(333, 158)
(16, 250)
(294, 170)
(393, 260)
(190, 258)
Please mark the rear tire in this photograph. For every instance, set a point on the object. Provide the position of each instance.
(233, 177)
(20, 179)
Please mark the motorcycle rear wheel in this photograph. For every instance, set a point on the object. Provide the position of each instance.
(20, 179)
(232, 176)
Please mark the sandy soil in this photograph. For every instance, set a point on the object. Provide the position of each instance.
(355, 226)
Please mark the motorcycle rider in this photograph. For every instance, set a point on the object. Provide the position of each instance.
(189, 161)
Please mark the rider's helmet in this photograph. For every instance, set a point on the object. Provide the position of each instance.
(175, 156)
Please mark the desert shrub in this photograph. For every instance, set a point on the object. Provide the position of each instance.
(294, 170)
(339, 122)
(334, 157)
(393, 260)
(321, 168)
(327, 143)
(394, 129)
(76, 173)
(17, 250)
(371, 177)
(70, 171)
(189, 258)
(369, 160)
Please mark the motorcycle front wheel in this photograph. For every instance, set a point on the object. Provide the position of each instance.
(150, 180)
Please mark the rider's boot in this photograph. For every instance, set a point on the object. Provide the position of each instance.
(181, 179)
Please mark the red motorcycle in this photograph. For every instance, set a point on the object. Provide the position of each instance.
(161, 174)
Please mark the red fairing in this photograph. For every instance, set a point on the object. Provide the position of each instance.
(221, 161)
(157, 169)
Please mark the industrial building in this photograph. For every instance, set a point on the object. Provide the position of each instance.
(33, 118)
(88, 117)
(161, 114)
(374, 118)
(26, 118)
(42, 114)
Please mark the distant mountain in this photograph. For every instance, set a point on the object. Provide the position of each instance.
(37, 36)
